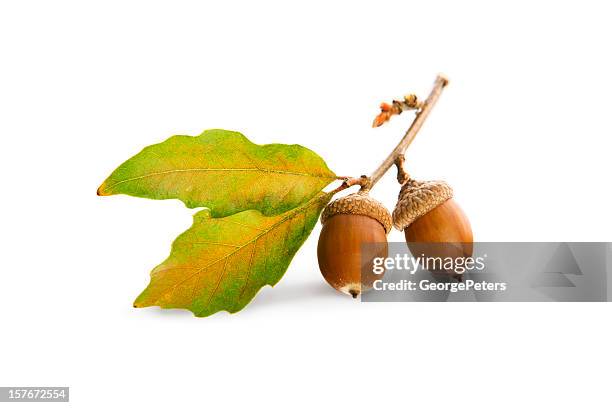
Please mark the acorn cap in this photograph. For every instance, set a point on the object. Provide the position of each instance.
(358, 204)
(417, 198)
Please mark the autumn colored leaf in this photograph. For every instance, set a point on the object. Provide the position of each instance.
(221, 263)
(223, 171)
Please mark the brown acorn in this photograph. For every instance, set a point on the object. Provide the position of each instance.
(433, 224)
(354, 232)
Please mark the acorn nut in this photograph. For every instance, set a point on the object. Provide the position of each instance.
(433, 224)
(354, 232)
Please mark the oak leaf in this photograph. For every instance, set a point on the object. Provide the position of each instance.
(223, 171)
(221, 263)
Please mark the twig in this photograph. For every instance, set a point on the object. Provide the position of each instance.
(412, 131)
(402, 175)
(362, 181)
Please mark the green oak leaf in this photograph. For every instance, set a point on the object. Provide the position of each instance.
(221, 263)
(223, 171)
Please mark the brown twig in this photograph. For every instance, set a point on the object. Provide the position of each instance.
(402, 175)
(399, 150)
(397, 155)
(362, 181)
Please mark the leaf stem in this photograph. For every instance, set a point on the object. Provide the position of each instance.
(399, 150)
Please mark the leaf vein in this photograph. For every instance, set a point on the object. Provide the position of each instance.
(214, 243)
(249, 269)
(161, 173)
(216, 287)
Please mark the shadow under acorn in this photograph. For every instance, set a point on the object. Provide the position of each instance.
(314, 291)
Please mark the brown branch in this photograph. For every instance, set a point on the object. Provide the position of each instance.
(396, 157)
(402, 175)
(419, 119)
(362, 181)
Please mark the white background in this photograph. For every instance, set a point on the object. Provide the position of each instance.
(522, 133)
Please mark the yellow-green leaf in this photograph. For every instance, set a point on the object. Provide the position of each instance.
(221, 263)
(223, 171)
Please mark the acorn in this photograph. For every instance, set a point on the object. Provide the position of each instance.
(433, 223)
(354, 232)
